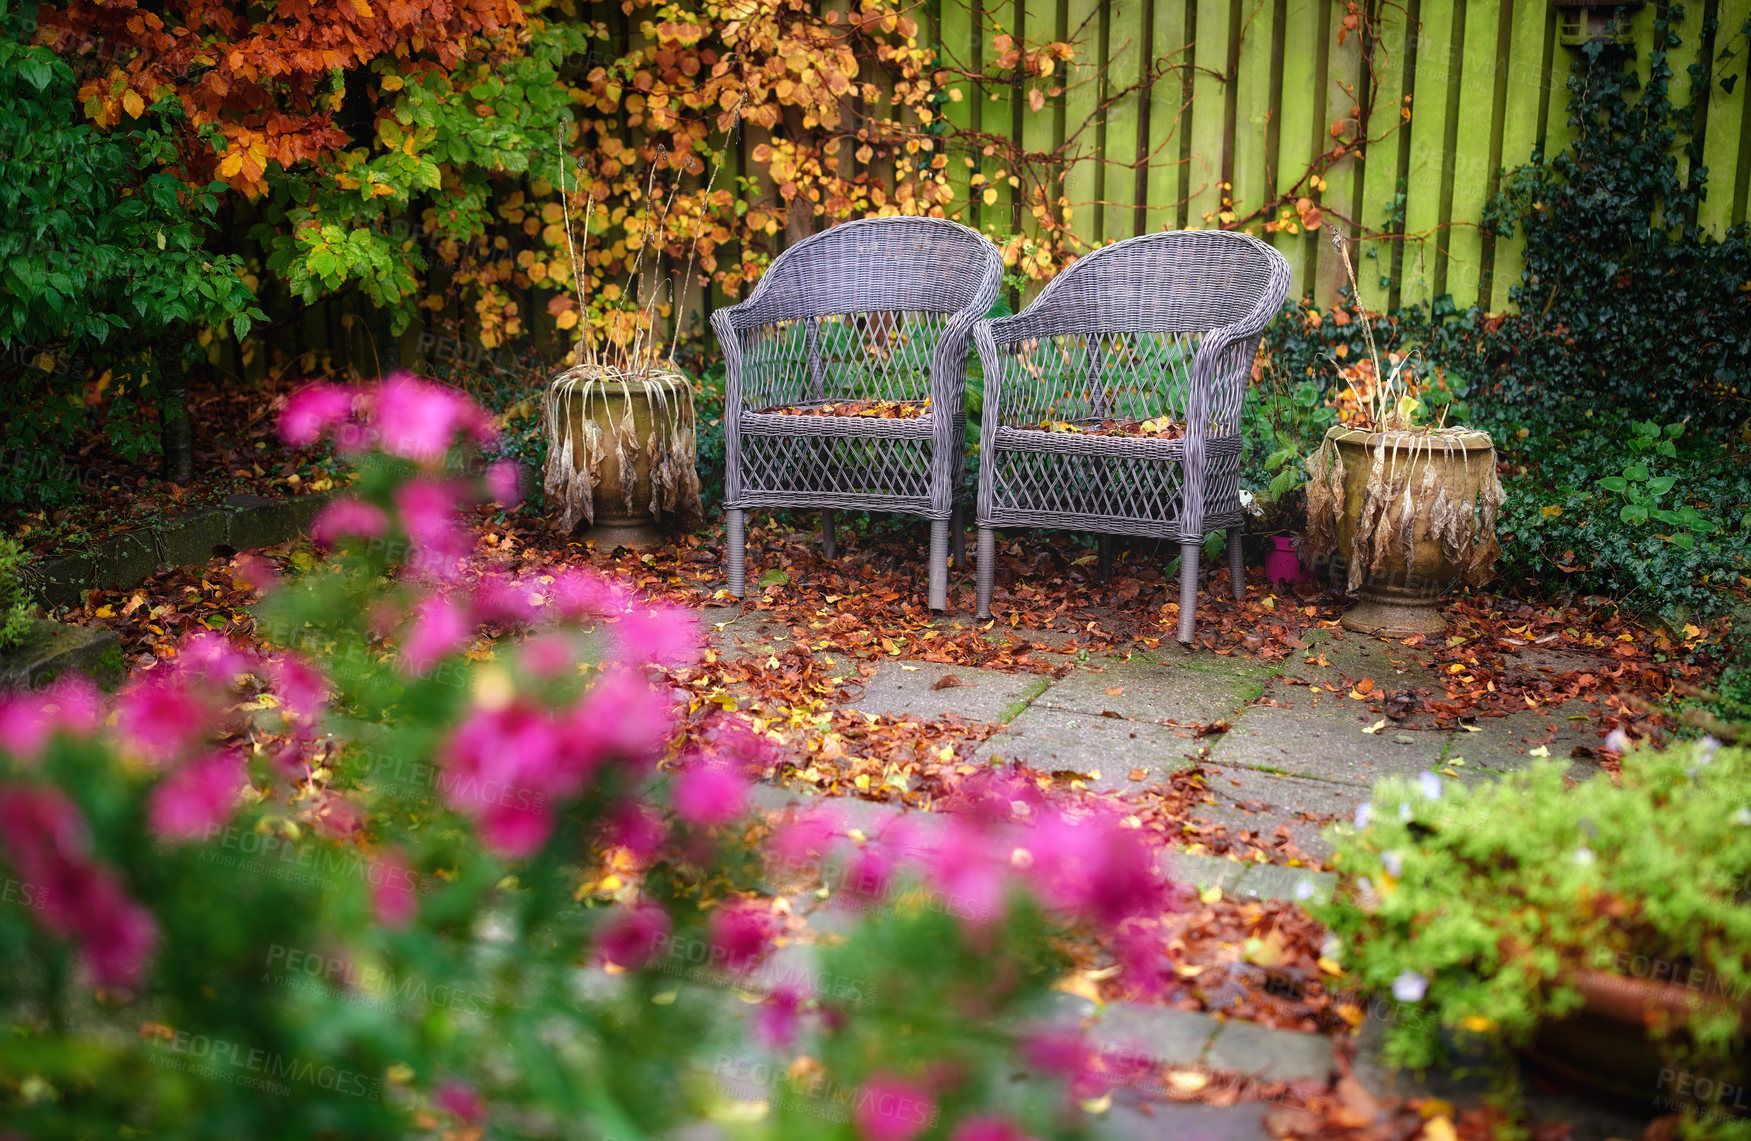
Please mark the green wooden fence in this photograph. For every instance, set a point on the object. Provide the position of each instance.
(1247, 97)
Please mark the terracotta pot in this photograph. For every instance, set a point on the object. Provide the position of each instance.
(1605, 1049)
(1400, 598)
(615, 434)
(1282, 564)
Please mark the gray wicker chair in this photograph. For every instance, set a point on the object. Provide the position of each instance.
(874, 309)
(1160, 324)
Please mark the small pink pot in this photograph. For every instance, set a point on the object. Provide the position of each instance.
(1282, 565)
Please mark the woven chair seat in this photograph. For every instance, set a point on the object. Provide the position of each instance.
(873, 310)
(1157, 326)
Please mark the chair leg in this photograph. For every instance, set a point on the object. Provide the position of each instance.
(1188, 588)
(738, 540)
(1104, 568)
(829, 541)
(987, 569)
(939, 564)
(1237, 562)
(958, 535)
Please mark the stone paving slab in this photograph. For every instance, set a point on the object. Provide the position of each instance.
(909, 689)
(1271, 1055)
(1323, 738)
(1254, 800)
(1162, 1035)
(1054, 740)
(1168, 1119)
(1153, 691)
(1505, 744)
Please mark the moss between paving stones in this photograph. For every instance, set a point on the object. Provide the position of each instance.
(53, 648)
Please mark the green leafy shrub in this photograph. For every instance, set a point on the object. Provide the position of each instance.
(15, 608)
(1481, 904)
(1625, 300)
(98, 263)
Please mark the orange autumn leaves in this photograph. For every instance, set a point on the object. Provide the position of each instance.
(268, 89)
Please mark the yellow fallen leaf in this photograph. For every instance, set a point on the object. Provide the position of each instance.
(1187, 1081)
(133, 104)
(1211, 894)
(1540, 751)
(1440, 1129)
(1330, 966)
(1376, 727)
(1477, 1024)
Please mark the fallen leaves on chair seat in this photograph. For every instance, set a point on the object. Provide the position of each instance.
(877, 409)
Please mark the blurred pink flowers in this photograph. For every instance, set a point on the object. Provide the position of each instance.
(160, 716)
(394, 890)
(45, 839)
(440, 626)
(663, 636)
(27, 720)
(892, 1109)
(709, 794)
(504, 483)
(313, 410)
(420, 421)
(739, 933)
(436, 539)
(635, 936)
(193, 801)
(348, 518)
(459, 1101)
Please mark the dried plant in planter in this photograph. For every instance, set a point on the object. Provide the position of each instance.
(620, 422)
(1411, 506)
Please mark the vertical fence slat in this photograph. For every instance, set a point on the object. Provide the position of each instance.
(1380, 158)
(1125, 63)
(1208, 114)
(1469, 180)
(1343, 79)
(1528, 87)
(1038, 128)
(1169, 119)
(1428, 152)
(1081, 79)
(1253, 162)
(1298, 134)
(955, 48)
(1726, 111)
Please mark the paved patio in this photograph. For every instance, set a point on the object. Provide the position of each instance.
(1282, 744)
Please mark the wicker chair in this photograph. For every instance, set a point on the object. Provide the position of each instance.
(876, 309)
(1160, 324)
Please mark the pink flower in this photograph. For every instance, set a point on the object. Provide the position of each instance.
(776, 1022)
(428, 515)
(635, 936)
(255, 572)
(708, 795)
(194, 801)
(504, 483)
(348, 518)
(1096, 868)
(666, 636)
(989, 1128)
(459, 1101)
(516, 830)
(738, 935)
(502, 600)
(27, 720)
(420, 421)
(302, 691)
(547, 656)
(213, 658)
(46, 841)
(161, 718)
(892, 1109)
(624, 718)
(394, 891)
(808, 835)
(635, 828)
(440, 627)
(578, 593)
(312, 410)
(969, 869)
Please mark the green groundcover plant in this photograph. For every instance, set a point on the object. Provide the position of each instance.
(377, 880)
(1480, 906)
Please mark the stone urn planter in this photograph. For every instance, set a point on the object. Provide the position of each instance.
(1410, 513)
(621, 454)
(1606, 1049)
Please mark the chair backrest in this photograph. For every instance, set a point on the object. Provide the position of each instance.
(1115, 334)
(857, 311)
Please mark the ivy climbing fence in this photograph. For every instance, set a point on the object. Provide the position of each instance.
(1277, 115)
